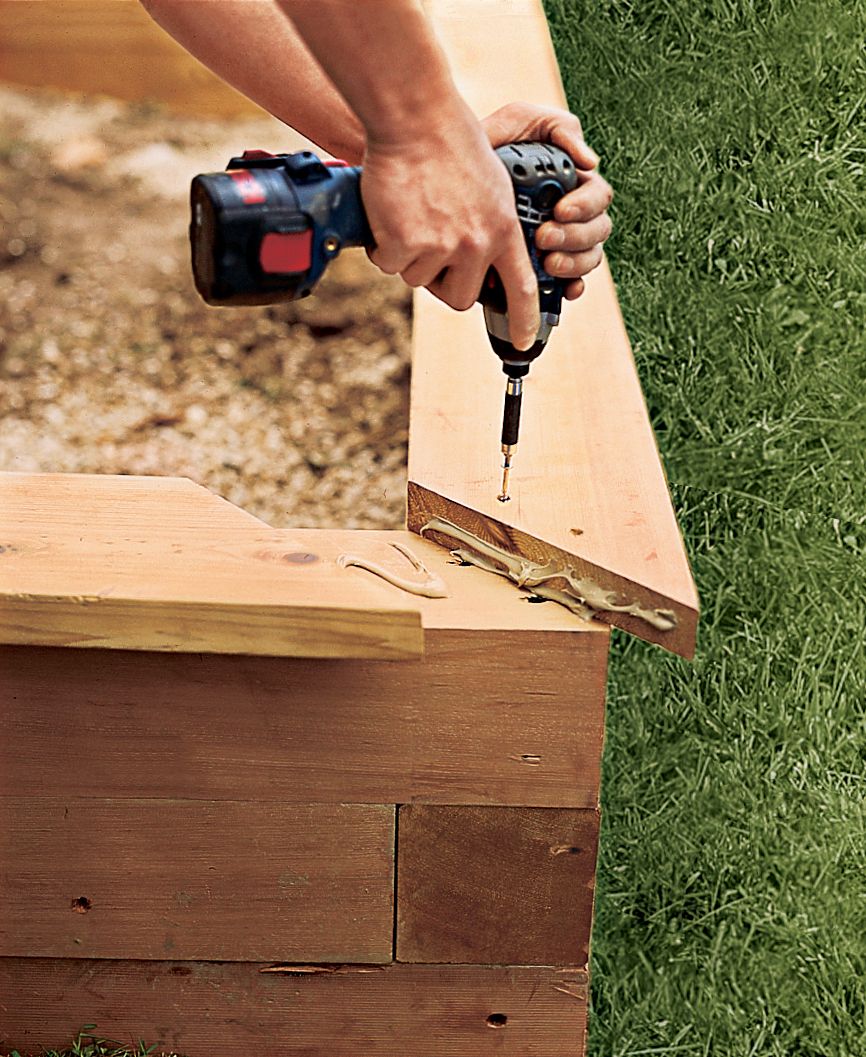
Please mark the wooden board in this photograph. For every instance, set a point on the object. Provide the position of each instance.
(494, 885)
(108, 47)
(273, 729)
(163, 564)
(588, 487)
(196, 879)
(223, 1010)
(174, 568)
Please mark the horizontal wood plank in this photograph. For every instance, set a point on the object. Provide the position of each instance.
(226, 1010)
(153, 573)
(488, 717)
(495, 885)
(193, 879)
(108, 47)
(162, 564)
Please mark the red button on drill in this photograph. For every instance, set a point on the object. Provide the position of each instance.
(281, 254)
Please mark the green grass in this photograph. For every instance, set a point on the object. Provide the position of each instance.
(731, 909)
(88, 1045)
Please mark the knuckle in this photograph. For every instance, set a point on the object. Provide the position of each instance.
(527, 286)
(474, 242)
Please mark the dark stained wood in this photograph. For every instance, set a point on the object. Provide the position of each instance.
(487, 717)
(234, 1010)
(495, 885)
(192, 879)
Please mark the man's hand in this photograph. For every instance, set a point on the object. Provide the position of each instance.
(581, 224)
(441, 208)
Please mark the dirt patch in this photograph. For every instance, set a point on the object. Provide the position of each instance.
(110, 363)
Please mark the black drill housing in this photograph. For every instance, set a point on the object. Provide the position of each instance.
(541, 174)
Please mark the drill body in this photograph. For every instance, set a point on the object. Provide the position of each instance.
(264, 231)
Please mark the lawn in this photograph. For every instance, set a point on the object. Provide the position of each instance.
(731, 905)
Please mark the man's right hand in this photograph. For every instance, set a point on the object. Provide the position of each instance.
(441, 209)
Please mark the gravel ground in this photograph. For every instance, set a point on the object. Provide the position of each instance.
(110, 363)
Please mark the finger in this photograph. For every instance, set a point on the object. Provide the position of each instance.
(585, 202)
(572, 265)
(521, 293)
(460, 285)
(568, 134)
(423, 271)
(573, 237)
(389, 258)
(574, 290)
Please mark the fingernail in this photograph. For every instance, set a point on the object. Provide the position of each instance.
(590, 153)
(550, 238)
(529, 339)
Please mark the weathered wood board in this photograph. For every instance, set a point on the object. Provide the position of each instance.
(588, 489)
(488, 717)
(194, 879)
(223, 1010)
(495, 886)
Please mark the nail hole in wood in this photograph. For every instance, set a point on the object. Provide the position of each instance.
(576, 532)
(497, 1020)
(81, 905)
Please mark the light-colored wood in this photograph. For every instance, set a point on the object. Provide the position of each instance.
(162, 564)
(495, 885)
(108, 47)
(192, 879)
(222, 1010)
(105, 501)
(587, 486)
(487, 717)
(172, 568)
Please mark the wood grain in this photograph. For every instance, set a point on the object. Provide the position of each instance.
(587, 482)
(173, 568)
(163, 564)
(196, 879)
(108, 47)
(488, 717)
(222, 1010)
(495, 885)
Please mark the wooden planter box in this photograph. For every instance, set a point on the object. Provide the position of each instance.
(252, 800)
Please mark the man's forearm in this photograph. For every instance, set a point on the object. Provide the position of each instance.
(256, 49)
(385, 60)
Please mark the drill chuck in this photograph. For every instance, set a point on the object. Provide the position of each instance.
(511, 412)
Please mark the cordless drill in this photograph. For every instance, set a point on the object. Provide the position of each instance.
(264, 231)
